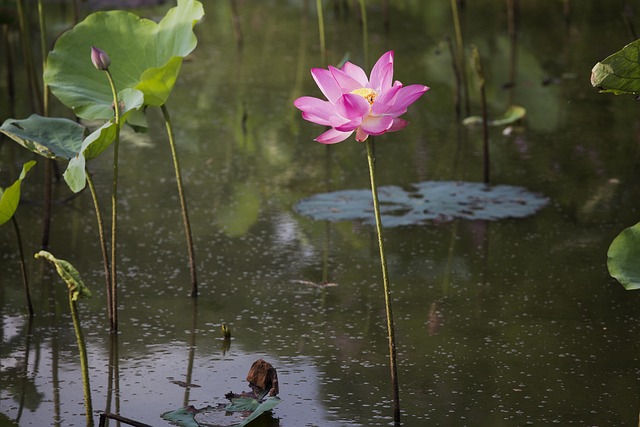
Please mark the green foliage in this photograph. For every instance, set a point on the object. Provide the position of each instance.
(145, 56)
(10, 197)
(624, 257)
(69, 274)
(619, 73)
(65, 139)
(46, 136)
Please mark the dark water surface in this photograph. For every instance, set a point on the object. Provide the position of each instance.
(505, 323)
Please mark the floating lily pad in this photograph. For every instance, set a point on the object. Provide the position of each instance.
(623, 256)
(233, 414)
(512, 115)
(425, 201)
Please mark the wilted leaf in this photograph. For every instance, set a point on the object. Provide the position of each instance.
(619, 73)
(69, 274)
(426, 201)
(10, 197)
(623, 258)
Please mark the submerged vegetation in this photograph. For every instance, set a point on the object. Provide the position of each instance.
(495, 193)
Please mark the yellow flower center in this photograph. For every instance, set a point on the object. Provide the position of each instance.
(368, 94)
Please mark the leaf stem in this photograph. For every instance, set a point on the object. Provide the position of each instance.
(103, 244)
(385, 281)
(23, 266)
(84, 364)
(114, 210)
(460, 54)
(183, 202)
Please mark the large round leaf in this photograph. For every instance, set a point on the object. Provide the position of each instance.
(624, 257)
(426, 201)
(144, 55)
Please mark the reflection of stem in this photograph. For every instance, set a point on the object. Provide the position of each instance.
(103, 244)
(447, 273)
(27, 350)
(183, 202)
(23, 266)
(113, 388)
(114, 209)
(323, 48)
(192, 350)
(84, 364)
(55, 367)
(385, 281)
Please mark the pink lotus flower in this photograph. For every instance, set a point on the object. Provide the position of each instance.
(356, 103)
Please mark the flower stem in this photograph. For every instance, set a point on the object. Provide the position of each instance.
(103, 245)
(385, 280)
(84, 364)
(23, 266)
(183, 202)
(114, 210)
(323, 49)
(365, 32)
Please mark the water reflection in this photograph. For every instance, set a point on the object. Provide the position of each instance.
(513, 322)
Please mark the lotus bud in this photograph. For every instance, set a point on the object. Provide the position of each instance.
(100, 58)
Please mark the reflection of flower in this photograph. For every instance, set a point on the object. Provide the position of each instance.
(100, 59)
(356, 103)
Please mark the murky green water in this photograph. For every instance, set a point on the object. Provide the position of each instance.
(506, 323)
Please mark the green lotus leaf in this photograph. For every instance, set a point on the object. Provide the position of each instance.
(623, 258)
(94, 144)
(49, 137)
(69, 274)
(144, 55)
(10, 197)
(619, 73)
(426, 201)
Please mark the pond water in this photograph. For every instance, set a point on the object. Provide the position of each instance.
(500, 323)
